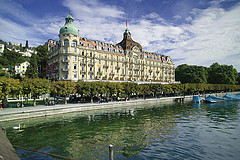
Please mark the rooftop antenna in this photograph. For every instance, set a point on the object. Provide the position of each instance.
(126, 23)
(70, 10)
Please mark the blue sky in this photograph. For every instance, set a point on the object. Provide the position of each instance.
(195, 32)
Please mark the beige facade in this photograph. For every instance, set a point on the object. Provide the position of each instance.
(21, 68)
(76, 58)
(1, 48)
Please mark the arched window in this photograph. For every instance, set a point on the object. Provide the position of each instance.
(66, 42)
(74, 43)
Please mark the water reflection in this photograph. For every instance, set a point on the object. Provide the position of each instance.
(144, 132)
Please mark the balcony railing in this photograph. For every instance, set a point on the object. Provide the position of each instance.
(64, 60)
(64, 69)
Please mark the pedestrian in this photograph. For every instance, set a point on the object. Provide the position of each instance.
(18, 104)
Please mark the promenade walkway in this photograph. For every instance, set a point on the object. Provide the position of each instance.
(42, 110)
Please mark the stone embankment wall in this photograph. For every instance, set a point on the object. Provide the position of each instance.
(7, 151)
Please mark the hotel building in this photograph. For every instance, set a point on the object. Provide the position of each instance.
(76, 58)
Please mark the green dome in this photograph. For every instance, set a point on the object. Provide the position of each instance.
(69, 27)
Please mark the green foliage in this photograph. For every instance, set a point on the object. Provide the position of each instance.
(191, 74)
(222, 74)
(238, 79)
(215, 74)
(26, 45)
(9, 86)
(42, 57)
(32, 69)
(63, 88)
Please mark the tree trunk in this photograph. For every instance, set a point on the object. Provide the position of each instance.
(65, 100)
(91, 98)
(34, 102)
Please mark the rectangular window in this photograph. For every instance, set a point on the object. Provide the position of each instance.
(99, 61)
(75, 66)
(65, 75)
(74, 43)
(75, 50)
(75, 58)
(82, 53)
(66, 50)
(75, 75)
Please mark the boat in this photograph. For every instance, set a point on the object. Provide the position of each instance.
(209, 100)
(197, 99)
(216, 98)
(232, 97)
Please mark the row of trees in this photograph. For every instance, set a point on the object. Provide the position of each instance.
(215, 74)
(89, 90)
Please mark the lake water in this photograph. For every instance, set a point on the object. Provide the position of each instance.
(160, 131)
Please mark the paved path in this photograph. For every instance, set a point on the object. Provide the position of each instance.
(42, 110)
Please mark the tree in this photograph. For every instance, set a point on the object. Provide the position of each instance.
(64, 88)
(238, 79)
(32, 69)
(191, 74)
(36, 87)
(26, 45)
(222, 74)
(9, 86)
(144, 90)
(42, 57)
(130, 88)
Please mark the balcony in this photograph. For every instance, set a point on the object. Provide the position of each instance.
(64, 60)
(64, 69)
(136, 68)
(123, 75)
(117, 67)
(150, 70)
(157, 71)
(83, 63)
(91, 72)
(99, 73)
(91, 64)
(83, 72)
(112, 74)
(105, 66)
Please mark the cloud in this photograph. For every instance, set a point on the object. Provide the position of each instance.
(209, 35)
(216, 39)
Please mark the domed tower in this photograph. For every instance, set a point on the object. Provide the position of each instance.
(69, 34)
(69, 28)
(69, 44)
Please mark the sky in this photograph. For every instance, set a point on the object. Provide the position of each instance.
(193, 32)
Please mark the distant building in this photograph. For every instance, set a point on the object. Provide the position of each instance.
(76, 58)
(51, 43)
(1, 49)
(16, 48)
(21, 68)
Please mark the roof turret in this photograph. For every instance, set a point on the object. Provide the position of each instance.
(69, 27)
